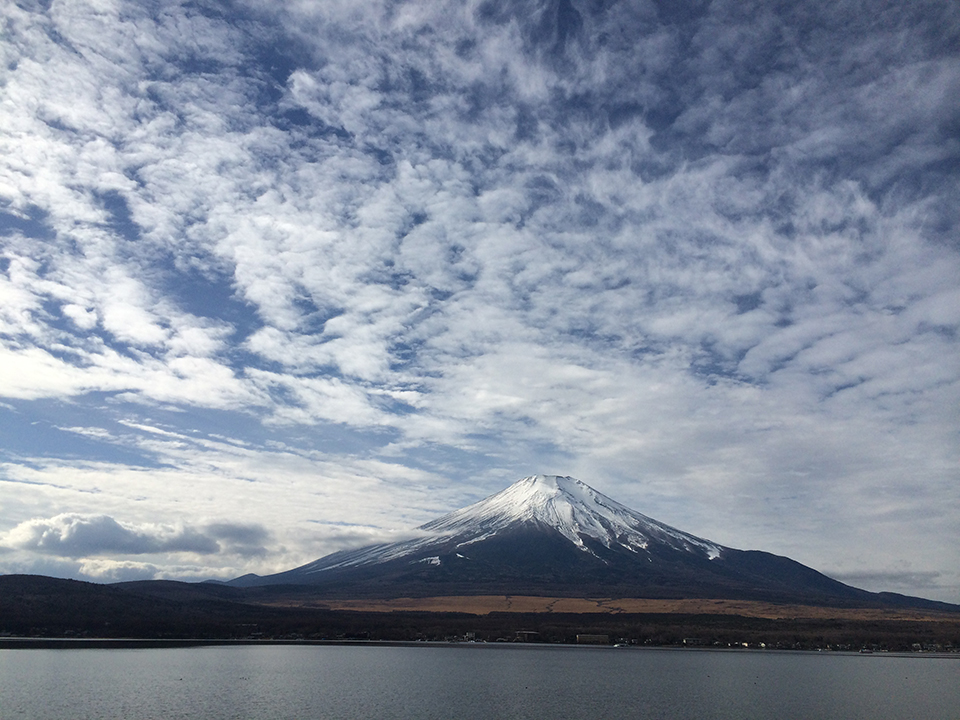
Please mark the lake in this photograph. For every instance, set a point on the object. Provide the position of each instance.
(467, 681)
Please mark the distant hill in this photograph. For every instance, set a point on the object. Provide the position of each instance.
(557, 537)
(49, 612)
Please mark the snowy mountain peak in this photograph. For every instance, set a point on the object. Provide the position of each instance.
(549, 503)
(572, 508)
(555, 536)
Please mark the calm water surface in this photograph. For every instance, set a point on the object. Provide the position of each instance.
(471, 681)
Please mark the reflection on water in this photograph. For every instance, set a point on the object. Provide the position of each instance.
(471, 681)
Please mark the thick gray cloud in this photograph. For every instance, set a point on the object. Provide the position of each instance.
(703, 256)
(72, 535)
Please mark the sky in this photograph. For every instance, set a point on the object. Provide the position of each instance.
(282, 278)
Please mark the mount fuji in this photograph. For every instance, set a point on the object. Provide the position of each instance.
(556, 536)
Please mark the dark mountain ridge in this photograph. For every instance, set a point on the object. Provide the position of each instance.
(37, 611)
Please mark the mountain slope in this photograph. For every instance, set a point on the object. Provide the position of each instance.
(556, 536)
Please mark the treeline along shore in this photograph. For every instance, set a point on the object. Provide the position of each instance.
(41, 607)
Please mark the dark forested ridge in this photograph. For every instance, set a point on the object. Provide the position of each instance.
(36, 606)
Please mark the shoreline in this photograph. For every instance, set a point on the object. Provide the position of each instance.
(28, 643)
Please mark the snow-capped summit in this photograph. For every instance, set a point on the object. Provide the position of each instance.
(572, 508)
(555, 536)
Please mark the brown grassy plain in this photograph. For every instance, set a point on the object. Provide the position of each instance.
(485, 604)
